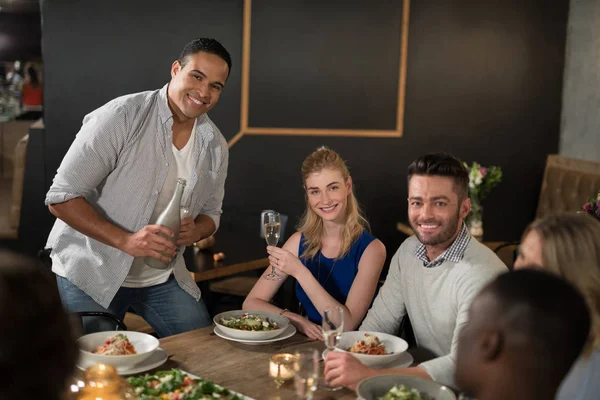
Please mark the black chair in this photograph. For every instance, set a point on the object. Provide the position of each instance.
(508, 253)
(405, 331)
(44, 256)
(119, 325)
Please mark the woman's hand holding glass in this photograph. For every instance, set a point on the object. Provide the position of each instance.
(285, 261)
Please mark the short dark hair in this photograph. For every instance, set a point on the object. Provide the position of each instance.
(37, 334)
(442, 164)
(547, 311)
(206, 45)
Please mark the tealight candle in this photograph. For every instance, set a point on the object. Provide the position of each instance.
(281, 368)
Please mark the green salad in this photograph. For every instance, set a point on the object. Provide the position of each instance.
(249, 322)
(175, 384)
(402, 392)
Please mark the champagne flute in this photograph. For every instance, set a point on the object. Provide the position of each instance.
(271, 229)
(332, 326)
(306, 368)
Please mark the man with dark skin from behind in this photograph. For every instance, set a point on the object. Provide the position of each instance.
(525, 330)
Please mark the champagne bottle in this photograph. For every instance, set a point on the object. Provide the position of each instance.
(170, 218)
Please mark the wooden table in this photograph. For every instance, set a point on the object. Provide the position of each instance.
(242, 253)
(238, 367)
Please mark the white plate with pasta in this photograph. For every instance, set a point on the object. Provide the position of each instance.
(158, 358)
(122, 349)
(374, 349)
(404, 361)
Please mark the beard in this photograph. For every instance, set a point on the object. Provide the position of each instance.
(449, 229)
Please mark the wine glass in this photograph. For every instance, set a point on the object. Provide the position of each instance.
(271, 228)
(306, 369)
(281, 368)
(333, 326)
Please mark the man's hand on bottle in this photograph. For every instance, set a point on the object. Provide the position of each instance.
(149, 241)
(187, 232)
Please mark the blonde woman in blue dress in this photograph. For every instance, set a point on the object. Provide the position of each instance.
(332, 256)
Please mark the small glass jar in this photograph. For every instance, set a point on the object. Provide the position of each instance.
(281, 368)
(101, 382)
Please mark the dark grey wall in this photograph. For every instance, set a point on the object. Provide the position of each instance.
(20, 36)
(325, 64)
(484, 83)
(580, 131)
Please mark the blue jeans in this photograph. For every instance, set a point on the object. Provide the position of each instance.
(166, 307)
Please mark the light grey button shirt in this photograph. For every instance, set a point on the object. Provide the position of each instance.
(119, 162)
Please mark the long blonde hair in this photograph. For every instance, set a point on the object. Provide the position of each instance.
(571, 249)
(311, 225)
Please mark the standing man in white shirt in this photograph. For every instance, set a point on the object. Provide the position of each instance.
(433, 277)
(119, 175)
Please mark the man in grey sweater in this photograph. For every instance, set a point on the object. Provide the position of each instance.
(433, 276)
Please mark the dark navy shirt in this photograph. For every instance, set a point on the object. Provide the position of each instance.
(335, 276)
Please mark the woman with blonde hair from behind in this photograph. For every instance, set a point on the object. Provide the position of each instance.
(332, 256)
(569, 246)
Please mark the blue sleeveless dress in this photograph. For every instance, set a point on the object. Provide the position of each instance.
(335, 277)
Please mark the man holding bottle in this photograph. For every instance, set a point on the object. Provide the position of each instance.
(116, 180)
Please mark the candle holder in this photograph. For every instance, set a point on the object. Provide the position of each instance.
(281, 368)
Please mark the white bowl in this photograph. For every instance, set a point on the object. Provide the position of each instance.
(394, 347)
(280, 320)
(377, 386)
(143, 343)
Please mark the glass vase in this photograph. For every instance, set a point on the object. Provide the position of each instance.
(475, 219)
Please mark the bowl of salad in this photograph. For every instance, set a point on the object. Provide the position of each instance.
(121, 349)
(398, 387)
(374, 349)
(251, 325)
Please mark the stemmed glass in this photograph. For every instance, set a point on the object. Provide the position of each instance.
(306, 368)
(333, 326)
(271, 229)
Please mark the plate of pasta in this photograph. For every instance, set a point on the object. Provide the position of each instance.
(374, 349)
(122, 349)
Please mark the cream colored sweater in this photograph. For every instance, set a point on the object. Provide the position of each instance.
(436, 299)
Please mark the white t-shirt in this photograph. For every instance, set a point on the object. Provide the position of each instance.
(180, 166)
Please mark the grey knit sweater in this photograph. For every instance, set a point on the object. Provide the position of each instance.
(436, 299)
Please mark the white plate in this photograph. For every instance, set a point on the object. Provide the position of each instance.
(394, 347)
(144, 345)
(280, 320)
(157, 359)
(287, 333)
(403, 361)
